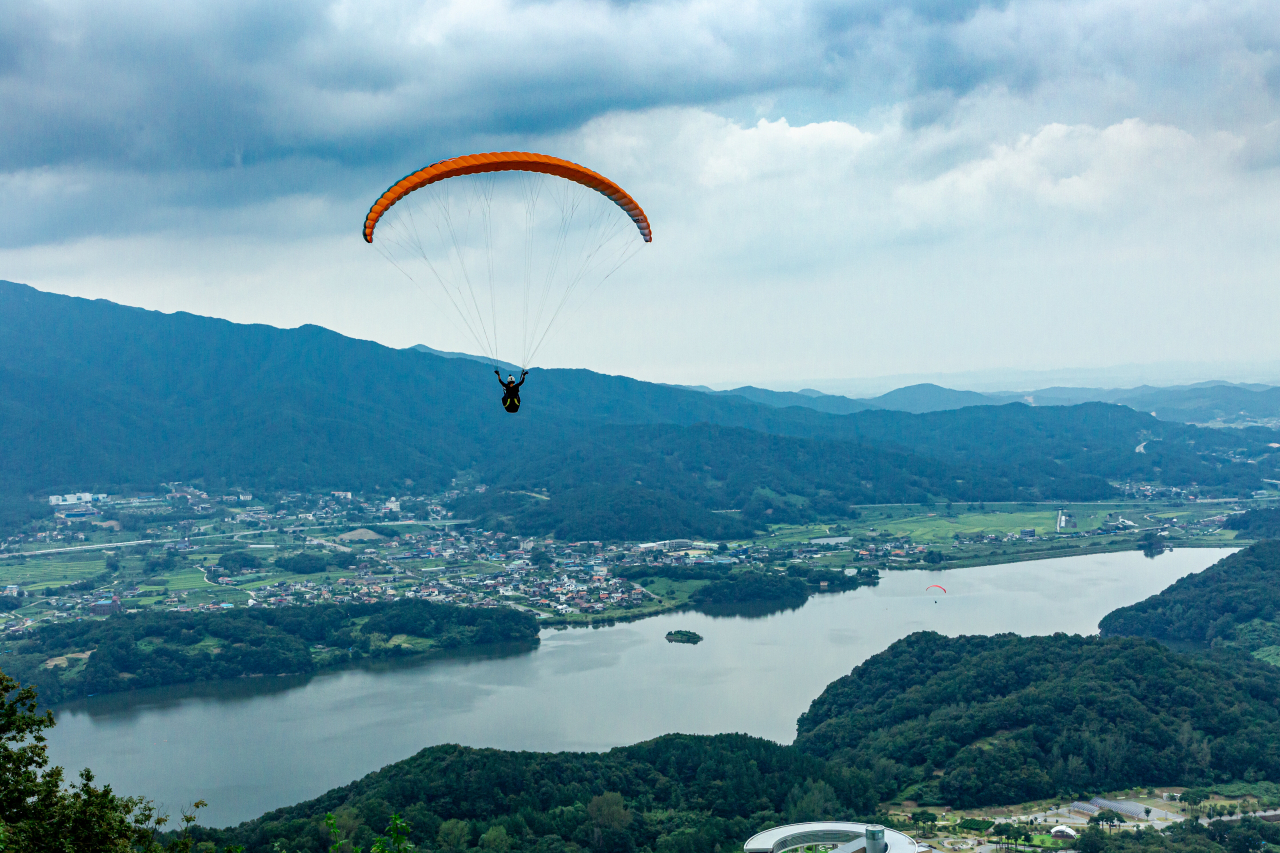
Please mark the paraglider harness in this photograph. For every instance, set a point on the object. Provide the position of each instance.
(511, 392)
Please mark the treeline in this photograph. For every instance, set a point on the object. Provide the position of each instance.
(149, 649)
(1247, 835)
(789, 589)
(1256, 523)
(675, 794)
(614, 512)
(974, 721)
(302, 563)
(1235, 601)
(752, 588)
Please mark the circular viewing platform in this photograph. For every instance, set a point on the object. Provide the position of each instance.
(845, 837)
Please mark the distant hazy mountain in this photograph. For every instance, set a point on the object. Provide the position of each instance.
(808, 398)
(98, 396)
(1205, 403)
(916, 399)
(1216, 403)
(929, 398)
(1223, 404)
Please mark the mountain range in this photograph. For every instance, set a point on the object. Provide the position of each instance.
(99, 396)
(1205, 403)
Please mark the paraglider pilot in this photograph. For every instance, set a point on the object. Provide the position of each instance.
(511, 391)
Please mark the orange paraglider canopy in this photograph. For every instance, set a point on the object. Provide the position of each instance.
(506, 161)
(934, 586)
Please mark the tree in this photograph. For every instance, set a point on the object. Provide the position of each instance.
(454, 835)
(37, 814)
(924, 818)
(395, 841)
(1146, 811)
(496, 839)
(1193, 796)
(1108, 817)
(608, 811)
(1092, 840)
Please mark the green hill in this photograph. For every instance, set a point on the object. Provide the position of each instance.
(973, 721)
(675, 794)
(1234, 602)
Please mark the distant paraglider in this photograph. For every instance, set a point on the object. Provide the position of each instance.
(934, 586)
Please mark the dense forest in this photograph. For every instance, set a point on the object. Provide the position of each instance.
(662, 481)
(1256, 523)
(148, 649)
(316, 410)
(1235, 602)
(1247, 835)
(752, 588)
(972, 721)
(675, 794)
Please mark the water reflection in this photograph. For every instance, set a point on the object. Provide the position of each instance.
(748, 609)
(118, 706)
(250, 745)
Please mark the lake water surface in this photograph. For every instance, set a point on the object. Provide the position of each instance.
(252, 745)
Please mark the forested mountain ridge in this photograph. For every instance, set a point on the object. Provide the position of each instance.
(787, 480)
(1009, 719)
(97, 396)
(927, 397)
(830, 403)
(1234, 602)
(675, 794)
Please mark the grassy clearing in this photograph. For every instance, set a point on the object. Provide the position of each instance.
(37, 574)
(674, 592)
(185, 579)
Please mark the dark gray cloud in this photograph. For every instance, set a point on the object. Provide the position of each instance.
(121, 117)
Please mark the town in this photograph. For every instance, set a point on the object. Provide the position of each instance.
(182, 549)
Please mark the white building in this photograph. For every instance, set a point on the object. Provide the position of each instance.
(77, 498)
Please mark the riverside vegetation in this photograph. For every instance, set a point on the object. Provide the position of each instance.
(153, 648)
(1233, 603)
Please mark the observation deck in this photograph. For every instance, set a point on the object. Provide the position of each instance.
(847, 838)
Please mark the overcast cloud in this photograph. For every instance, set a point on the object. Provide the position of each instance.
(837, 189)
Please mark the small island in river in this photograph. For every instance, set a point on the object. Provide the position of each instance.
(683, 637)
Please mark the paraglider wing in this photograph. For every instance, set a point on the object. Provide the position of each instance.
(508, 239)
(934, 586)
(507, 161)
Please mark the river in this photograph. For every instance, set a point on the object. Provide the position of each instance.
(252, 745)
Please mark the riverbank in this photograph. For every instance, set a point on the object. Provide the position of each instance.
(577, 691)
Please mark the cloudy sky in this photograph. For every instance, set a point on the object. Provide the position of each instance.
(838, 188)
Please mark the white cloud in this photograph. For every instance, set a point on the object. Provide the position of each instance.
(872, 186)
